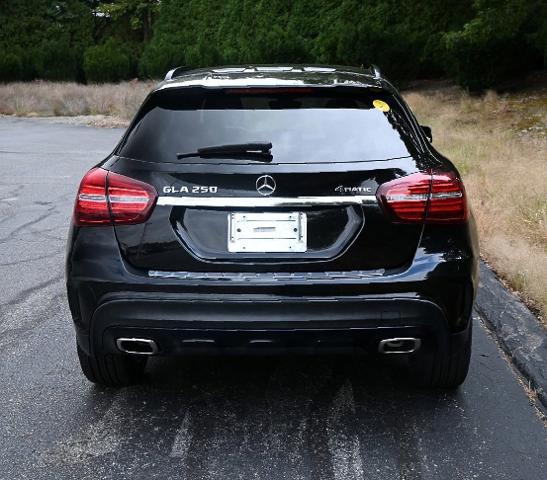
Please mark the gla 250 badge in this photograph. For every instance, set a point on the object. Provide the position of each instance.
(193, 189)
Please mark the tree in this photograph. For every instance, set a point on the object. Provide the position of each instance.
(139, 14)
(477, 42)
(497, 42)
(109, 62)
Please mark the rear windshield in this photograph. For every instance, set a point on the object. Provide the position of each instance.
(304, 125)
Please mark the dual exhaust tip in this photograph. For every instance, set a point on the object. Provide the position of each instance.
(137, 346)
(399, 345)
(147, 346)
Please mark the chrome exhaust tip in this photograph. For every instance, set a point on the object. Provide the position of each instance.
(137, 346)
(399, 345)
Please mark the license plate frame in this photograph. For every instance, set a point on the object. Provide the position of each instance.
(267, 232)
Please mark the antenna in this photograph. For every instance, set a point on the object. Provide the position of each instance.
(376, 70)
(175, 71)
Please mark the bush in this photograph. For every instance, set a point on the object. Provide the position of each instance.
(56, 60)
(494, 44)
(158, 58)
(11, 66)
(108, 62)
(477, 65)
(477, 42)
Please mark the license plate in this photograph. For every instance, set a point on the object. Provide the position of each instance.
(267, 232)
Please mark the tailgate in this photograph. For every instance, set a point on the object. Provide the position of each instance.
(217, 219)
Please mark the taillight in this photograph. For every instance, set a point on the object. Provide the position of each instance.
(406, 198)
(91, 206)
(448, 202)
(106, 197)
(437, 197)
(130, 201)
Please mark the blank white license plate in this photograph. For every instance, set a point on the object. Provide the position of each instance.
(267, 232)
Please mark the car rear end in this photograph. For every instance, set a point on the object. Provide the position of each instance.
(350, 234)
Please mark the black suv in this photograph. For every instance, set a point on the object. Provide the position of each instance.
(268, 209)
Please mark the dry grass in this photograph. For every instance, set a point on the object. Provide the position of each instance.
(41, 99)
(499, 144)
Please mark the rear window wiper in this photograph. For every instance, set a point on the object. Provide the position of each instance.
(260, 152)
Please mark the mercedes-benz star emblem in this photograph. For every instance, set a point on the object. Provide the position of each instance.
(265, 185)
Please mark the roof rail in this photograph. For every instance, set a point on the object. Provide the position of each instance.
(376, 70)
(176, 71)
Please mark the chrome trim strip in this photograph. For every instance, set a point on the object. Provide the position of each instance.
(265, 201)
(268, 277)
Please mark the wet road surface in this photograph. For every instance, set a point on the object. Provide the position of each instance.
(210, 418)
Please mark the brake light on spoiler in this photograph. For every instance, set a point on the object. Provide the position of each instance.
(110, 198)
(436, 197)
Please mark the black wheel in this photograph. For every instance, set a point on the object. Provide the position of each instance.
(443, 369)
(112, 370)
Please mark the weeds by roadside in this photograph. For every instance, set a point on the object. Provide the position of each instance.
(42, 99)
(499, 144)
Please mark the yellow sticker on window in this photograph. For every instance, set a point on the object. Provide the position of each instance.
(381, 105)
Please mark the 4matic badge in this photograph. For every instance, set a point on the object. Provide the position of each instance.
(343, 189)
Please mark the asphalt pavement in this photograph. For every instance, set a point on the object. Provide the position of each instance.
(215, 418)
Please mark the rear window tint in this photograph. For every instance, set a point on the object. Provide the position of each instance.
(304, 125)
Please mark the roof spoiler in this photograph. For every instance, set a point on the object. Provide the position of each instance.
(174, 72)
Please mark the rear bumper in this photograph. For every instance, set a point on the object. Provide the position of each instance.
(206, 324)
(430, 299)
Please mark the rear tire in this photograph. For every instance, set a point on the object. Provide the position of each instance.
(445, 369)
(112, 370)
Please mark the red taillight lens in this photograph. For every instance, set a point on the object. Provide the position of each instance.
(130, 201)
(406, 198)
(436, 197)
(106, 197)
(448, 202)
(91, 203)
